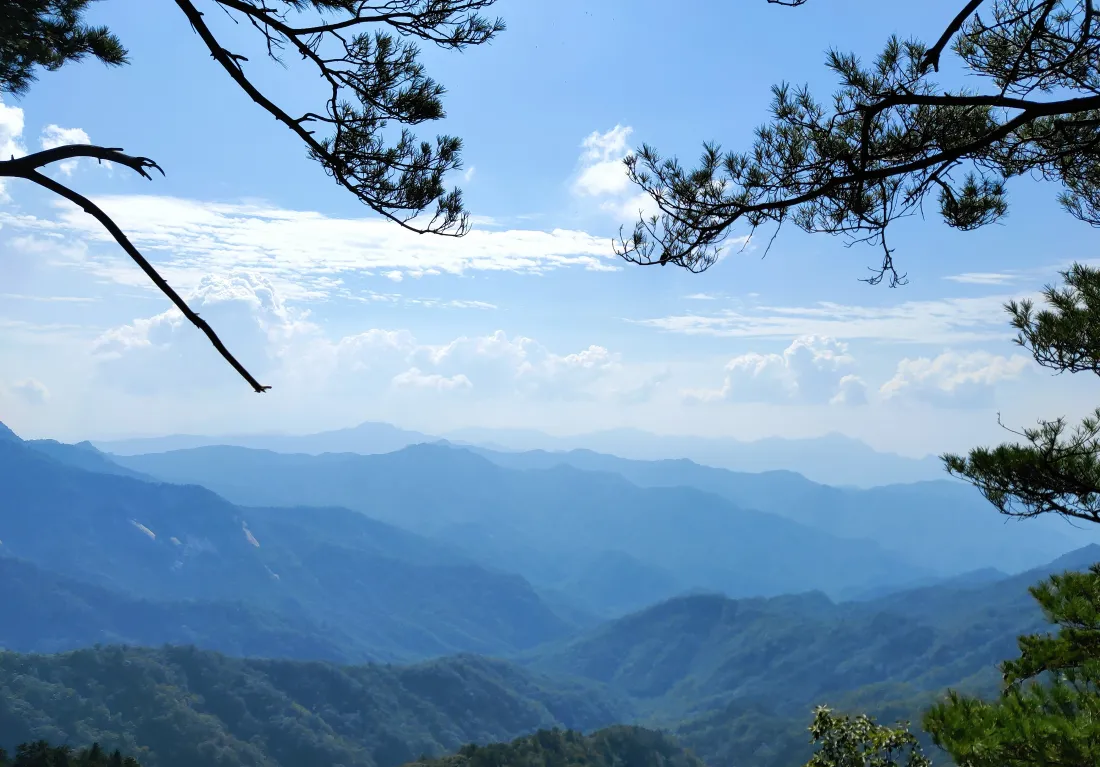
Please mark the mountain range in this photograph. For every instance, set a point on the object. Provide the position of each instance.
(612, 545)
(370, 590)
(733, 679)
(372, 609)
(831, 459)
(627, 533)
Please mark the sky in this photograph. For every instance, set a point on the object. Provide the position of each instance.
(529, 321)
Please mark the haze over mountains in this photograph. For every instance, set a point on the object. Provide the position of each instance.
(832, 459)
(368, 589)
(515, 591)
(553, 526)
(673, 524)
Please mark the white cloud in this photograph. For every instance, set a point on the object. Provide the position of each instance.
(982, 278)
(394, 275)
(952, 320)
(602, 170)
(701, 297)
(165, 351)
(413, 378)
(851, 390)
(30, 391)
(54, 136)
(11, 138)
(813, 369)
(305, 254)
(953, 379)
(468, 176)
(284, 348)
(602, 175)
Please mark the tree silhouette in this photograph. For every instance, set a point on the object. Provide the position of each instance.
(891, 137)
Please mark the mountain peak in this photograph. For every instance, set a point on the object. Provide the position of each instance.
(7, 435)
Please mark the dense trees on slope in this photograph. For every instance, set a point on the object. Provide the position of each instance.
(371, 80)
(42, 754)
(1049, 712)
(613, 747)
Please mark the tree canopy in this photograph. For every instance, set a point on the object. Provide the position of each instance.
(41, 754)
(891, 137)
(1049, 712)
(366, 56)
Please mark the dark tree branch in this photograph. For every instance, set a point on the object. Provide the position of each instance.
(932, 58)
(889, 138)
(28, 168)
(398, 182)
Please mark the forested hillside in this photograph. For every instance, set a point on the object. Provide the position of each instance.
(611, 747)
(178, 707)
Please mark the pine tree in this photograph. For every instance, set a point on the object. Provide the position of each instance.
(1051, 469)
(1049, 712)
(892, 142)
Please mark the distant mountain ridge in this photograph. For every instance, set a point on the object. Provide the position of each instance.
(370, 589)
(943, 525)
(832, 459)
(593, 533)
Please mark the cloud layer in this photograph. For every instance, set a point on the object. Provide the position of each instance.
(282, 346)
(943, 321)
(307, 254)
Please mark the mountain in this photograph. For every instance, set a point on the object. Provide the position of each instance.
(833, 459)
(734, 680)
(50, 613)
(690, 656)
(560, 528)
(83, 455)
(944, 526)
(612, 747)
(366, 438)
(179, 707)
(372, 589)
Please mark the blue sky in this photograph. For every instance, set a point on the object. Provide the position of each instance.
(529, 321)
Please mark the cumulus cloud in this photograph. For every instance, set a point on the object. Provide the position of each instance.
(953, 379)
(305, 253)
(11, 137)
(602, 171)
(813, 369)
(413, 378)
(165, 351)
(31, 391)
(283, 347)
(54, 136)
(602, 175)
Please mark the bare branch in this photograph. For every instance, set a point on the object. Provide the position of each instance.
(28, 168)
